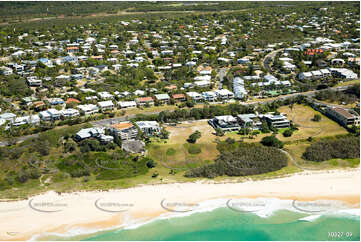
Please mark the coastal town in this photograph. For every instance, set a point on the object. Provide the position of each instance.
(155, 104)
(127, 85)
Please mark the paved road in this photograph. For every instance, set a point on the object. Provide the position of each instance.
(109, 121)
(222, 73)
(269, 58)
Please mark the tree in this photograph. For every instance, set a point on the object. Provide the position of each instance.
(287, 133)
(151, 164)
(272, 141)
(193, 137)
(316, 118)
(69, 147)
(164, 134)
(219, 132)
(265, 128)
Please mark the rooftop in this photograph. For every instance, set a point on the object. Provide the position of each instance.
(122, 125)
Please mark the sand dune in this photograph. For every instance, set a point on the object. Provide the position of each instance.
(51, 212)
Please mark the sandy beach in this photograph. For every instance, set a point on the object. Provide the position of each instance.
(92, 211)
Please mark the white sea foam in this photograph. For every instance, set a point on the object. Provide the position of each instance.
(270, 206)
(310, 218)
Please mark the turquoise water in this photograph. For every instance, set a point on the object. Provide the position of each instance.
(225, 224)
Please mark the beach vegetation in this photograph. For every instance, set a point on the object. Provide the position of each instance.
(326, 149)
(241, 159)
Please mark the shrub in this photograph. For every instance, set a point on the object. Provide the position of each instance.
(193, 137)
(219, 132)
(194, 149)
(230, 141)
(316, 118)
(170, 151)
(272, 141)
(151, 164)
(287, 133)
(348, 147)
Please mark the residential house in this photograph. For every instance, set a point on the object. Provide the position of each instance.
(69, 113)
(238, 88)
(31, 119)
(225, 123)
(89, 132)
(106, 105)
(105, 138)
(142, 101)
(50, 114)
(195, 96)
(6, 71)
(162, 98)
(149, 128)
(88, 109)
(209, 96)
(127, 104)
(124, 130)
(250, 120)
(224, 94)
(277, 121)
(33, 81)
(202, 84)
(179, 97)
(105, 95)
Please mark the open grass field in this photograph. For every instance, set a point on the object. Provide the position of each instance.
(180, 133)
(302, 115)
(177, 152)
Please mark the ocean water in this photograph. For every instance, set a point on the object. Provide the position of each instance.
(224, 224)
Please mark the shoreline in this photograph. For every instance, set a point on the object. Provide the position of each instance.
(97, 211)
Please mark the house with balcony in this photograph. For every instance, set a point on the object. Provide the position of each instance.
(142, 101)
(224, 94)
(179, 97)
(127, 104)
(124, 130)
(88, 109)
(106, 105)
(162, 98)
(249, 120)
(195, 96)
(225, 123)
(149, 128)
(50, 114)
(209, 96)
(277, 121)
(70, 113)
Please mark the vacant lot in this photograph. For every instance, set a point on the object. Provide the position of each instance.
(177, 152)
(180, 133)
(302, 115)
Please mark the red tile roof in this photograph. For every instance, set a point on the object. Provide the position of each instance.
(178, 96)
(72, 100)
(144, 99)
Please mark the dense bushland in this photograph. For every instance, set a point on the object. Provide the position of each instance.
(241, 159)
(347, 147)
